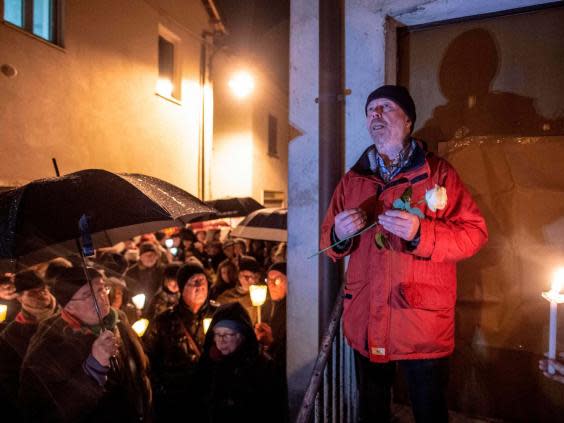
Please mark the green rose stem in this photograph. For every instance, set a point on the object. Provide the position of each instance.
(343, 240)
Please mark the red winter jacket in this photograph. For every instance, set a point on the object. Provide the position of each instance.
(399, 303)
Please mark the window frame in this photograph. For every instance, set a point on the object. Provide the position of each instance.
(55, 27)
(172, 38)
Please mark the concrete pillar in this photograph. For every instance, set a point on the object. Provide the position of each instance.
(303, 197)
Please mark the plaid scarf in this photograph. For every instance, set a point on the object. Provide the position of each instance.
(377, 163)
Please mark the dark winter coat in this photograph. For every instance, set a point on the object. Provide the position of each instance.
(275, 316)
(243, 386)
(14, 341)
(54, 387)
(172, 356)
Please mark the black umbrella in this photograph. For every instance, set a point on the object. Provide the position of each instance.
(231, 207)
(40, 220)
(266, 224)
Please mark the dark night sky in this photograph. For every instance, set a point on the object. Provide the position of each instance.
(251, 25)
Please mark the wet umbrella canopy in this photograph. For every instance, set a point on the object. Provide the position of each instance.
(231, 207)
(39, 221)
(266, 224)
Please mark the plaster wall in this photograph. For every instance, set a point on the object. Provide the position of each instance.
(92, 102)
(303, 188)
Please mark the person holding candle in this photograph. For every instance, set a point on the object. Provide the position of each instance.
(37, 304)
(78, 368)
(249, 274)
(8, 303)
(174, 342)
(401, 278)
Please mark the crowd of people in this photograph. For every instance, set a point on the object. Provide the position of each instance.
(68, 351)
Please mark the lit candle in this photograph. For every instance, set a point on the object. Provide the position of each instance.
(3, 312)
(554, 297)
(139, 301)
(258, 297)
(207, 322)
(140, 326)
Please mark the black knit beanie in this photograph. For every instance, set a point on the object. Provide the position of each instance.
(398, 95)
(186, 272)
(249, 263)
(27, 280)
(279, 267)
(70, 280)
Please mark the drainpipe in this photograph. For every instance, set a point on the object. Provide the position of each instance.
(208, 40)
(331, 139)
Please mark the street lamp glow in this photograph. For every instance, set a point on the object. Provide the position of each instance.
(242, 84)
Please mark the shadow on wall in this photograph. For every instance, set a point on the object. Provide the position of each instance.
(466, 75)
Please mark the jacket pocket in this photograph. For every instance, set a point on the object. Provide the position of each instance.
(428, 296)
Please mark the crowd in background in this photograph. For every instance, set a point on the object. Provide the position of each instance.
(207, 353)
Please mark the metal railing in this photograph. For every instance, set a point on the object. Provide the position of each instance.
(331, 394)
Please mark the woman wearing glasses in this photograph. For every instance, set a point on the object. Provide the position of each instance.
(235, 381)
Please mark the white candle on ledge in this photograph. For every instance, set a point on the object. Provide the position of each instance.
(554, 297)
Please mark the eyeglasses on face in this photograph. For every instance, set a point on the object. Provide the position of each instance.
(88, 295)
(273, 281)
(224, 336)
(248, 276)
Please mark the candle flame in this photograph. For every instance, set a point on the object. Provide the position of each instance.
(557, 281)
(207, 322)
(139, 301)
(258, 294)
(140, 326)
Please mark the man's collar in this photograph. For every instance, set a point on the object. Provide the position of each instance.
(363, 165)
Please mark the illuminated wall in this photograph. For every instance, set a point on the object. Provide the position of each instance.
(241, 163)
(92, 103)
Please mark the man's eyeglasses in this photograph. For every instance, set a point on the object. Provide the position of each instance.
(248, 277)
(273, 281)
(225, 336)
(88, 296)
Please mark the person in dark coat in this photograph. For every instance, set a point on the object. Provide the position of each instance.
(168, 294)
(234, 381)
(249, 274)
(78, 369)
(146, 276)
(37, 304)
(271, 332)
(174, 342)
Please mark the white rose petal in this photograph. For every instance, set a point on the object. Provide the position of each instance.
(436, 198)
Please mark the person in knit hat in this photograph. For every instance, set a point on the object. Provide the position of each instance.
(271, 332)
(174, 340)
(37, 304)
(249, 274)
(78, 368)
(235, 382)
(399, 303)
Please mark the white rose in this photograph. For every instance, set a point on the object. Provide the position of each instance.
(436, 198)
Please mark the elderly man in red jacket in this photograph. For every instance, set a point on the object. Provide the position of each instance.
(401, 279)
